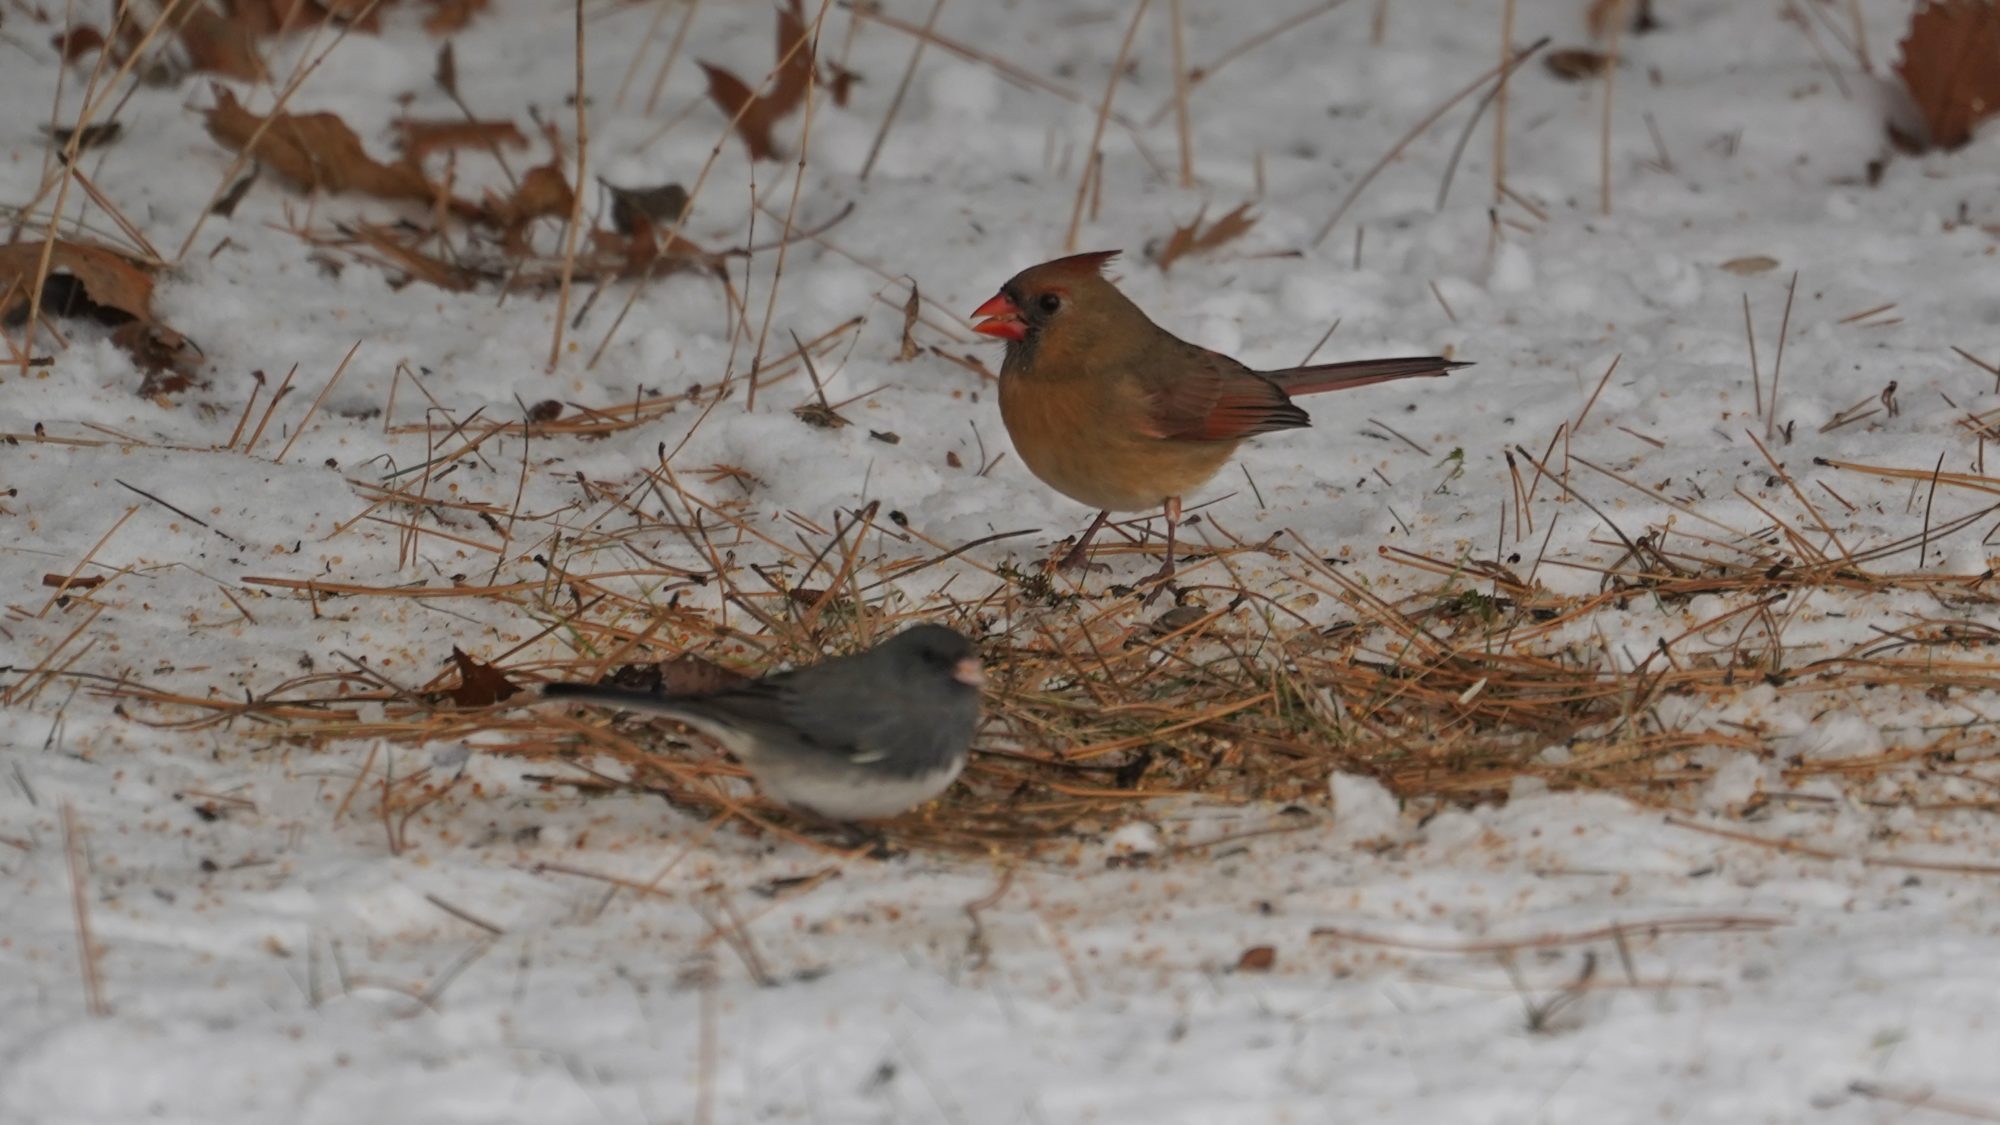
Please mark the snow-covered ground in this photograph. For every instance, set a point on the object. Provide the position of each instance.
(271, 947)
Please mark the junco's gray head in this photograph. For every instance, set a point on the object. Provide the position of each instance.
(853, 738)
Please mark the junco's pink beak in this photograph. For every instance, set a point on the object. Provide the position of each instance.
(969, 672)
(1003, 319)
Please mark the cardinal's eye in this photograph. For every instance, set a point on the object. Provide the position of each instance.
(1050, 302)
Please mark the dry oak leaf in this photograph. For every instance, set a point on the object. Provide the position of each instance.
(110, 280)
(543, 191)
(316, 151)
(756, 116)
(1192, 239)
(479, 685)
(77, 42)
(420, 138)
(448, 16)
(1951, 65)
(220, 45)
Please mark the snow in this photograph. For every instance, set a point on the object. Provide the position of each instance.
(527, 954)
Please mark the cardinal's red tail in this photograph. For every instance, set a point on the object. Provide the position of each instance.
(1296, 381)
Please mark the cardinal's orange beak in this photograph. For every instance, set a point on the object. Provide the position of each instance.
(1003, 319)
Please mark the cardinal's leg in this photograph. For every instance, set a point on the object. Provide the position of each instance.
(1166, 571)
(1078, 557)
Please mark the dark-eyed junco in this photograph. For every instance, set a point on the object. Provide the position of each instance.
(854, 738)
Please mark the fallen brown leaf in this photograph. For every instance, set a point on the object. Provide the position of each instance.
(1574, 64)
(220, 45)
(77, 42)
(479, 685)
(543, 191)
(420, 138)
(106, 286)
(95, 135)
(688, 674)
(756, 116)
(448, 16)
(1192, 239)
(68, 582)
(1257, 959)
(1756, 263)
(1951, 66)
(163, 356)
(316, 151)
(115, 288)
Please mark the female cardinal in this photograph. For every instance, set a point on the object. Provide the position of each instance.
(1113, 411)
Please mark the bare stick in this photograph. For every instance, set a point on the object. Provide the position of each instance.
(324, 391)
(1578, 424)
(1103, 114)
(1471, 123)
(902, 89)
(86, 950)
(1604, 129)
(1750, 333)
(1500, 104)
(1860, 36)
(791, 213)
(1416, 131)
(1181, 125)
(1204, 73)
(576, 201)
(673, 52)
(1778, 365)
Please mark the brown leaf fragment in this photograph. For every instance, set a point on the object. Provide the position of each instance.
(756, 116)
(362, 15)
(1257, 959)
(165, 358)
(97, 282)
(840, 82)
(1192, 239)
(95, 135)
(1951, 67)
(448, 16)
(316, 151)
(911, 308)
(637, 209)
(226, 206)
(1755, 263)
(819, 416)
(795, 62)
(77, 42)
(1574, 64)
(479, 685)
(688, 674)
(543, 191)
(260, 19)
(220, 45)
(752, 121)
(77, 582)
(446, 73)
(420, 138)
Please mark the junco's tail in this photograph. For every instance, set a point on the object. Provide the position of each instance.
(625, 699)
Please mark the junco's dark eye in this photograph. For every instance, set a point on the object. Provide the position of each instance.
(1050, 302)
